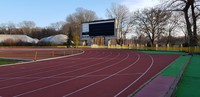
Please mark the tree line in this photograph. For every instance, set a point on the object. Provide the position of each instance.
(163, 23)
(29, 28)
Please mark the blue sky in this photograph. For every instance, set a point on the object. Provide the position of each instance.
(44, 12)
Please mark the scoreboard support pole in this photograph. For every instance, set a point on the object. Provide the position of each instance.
(104, 39)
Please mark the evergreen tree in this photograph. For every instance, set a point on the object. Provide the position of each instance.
(70, 38)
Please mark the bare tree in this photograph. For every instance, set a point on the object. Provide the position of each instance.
(81, 15)
(75, 19)
(3, 28)
(57, 26)
(140, 38)
(65, 28)
(27, 26)
(151, 22)
(173, 24)
(7, 28)
(191, 12)
(121, 13)
(11, 27)
(182, 27)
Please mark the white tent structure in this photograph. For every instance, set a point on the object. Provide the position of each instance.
(56, 39)
(17, 38)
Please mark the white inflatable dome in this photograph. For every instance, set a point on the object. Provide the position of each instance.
(23, 38)
(56, 39)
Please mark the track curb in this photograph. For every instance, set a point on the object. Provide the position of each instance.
(171, 91)
(173, 85)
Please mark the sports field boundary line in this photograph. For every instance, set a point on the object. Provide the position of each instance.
(42, 68)
(126, 74)
(33, 61)
(51, 76)
(94, 83)
(143, 85)
(82, 75)
(138, 77)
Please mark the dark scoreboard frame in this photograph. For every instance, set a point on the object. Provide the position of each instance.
(99, 28)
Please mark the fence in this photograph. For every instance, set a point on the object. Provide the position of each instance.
(182, 49)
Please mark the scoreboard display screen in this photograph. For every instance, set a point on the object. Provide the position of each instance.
(102, 29)
(99, 28)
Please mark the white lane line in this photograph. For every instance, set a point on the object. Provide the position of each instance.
(60, 73)
(71, 78)
(22, 63)
(31, 69)
(104, 78)
(103, 75)
(48, 70)
(152, 62)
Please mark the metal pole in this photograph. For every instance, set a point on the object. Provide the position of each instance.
(36, 53)
(52, 53)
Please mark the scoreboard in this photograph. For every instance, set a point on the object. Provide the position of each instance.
(99, 28)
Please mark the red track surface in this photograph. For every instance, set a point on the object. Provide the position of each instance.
(96, 73)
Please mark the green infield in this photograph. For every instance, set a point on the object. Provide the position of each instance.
(161, 52)
(190, 81)
(175, 68)
(8, 61)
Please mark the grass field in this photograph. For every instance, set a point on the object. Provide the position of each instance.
(7, 61)
(190, 81)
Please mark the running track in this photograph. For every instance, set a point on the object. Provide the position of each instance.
(96, 73)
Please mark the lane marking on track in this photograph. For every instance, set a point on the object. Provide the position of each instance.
(45, 71)
(69, 94)
(61, 73)
(16, 78)
(71, 78)
(152, 62)
(35, 69)
(32, 61)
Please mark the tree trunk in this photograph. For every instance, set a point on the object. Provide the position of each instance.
(169, 38)
(194, 37)
(188, 24)
(152, 43)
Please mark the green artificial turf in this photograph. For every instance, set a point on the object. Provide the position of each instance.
(7, 61)
(189, 85)
(175, 67)
(161, 52)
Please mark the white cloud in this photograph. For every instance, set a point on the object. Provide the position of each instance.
(139, 4)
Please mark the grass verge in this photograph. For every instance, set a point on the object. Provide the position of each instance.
(8, 61)
(190, 81)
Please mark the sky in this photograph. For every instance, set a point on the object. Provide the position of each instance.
(45, 12)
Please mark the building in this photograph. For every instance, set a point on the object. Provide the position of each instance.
(99, 32)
